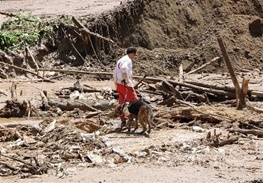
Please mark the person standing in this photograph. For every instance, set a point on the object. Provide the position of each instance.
(122, 77)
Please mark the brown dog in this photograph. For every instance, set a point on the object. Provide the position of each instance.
(138, 110)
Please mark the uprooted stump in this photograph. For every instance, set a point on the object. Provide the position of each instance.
(14, 108)
(218, 140)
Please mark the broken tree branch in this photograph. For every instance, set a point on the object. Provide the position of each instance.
(32, 57)
(25, 70)
(86, 31)
(252, 131)
(203, 66)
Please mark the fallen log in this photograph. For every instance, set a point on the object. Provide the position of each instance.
(253, 108)
(77, 72)
(69, 106)
(250, 92)
(256, 93)
(25, 70)
(198, 89)
(258, 133)
(201, 87)
(191, 96)
(168, 88)
(230, 140)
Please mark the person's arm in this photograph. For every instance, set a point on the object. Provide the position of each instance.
(124, 72)
(127, 73)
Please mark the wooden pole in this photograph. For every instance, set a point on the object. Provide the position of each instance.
(239, 94)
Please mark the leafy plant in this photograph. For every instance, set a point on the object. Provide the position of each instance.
(27, 29)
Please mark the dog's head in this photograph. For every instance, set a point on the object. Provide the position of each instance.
(122, 109)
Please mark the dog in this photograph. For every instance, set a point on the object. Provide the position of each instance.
(138, 110)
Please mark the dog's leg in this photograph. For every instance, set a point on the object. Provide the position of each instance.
(143, 126)
(149, 121)
(130, 119)
(141, 117)
(136, 124)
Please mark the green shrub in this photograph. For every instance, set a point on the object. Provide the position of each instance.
(26, 29)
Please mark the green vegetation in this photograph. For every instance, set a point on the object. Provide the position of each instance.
(27, 29)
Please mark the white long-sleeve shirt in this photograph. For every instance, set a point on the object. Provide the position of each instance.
(123, 66)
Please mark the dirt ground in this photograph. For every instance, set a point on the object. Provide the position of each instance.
(184, 160)
(173, 153)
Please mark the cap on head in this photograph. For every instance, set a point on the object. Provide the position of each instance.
(131, 50)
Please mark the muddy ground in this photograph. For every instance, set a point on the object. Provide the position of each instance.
(82, 144)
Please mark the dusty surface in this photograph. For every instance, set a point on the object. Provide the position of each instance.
(177, 155)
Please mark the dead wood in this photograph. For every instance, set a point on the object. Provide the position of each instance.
(230, 140)
(168, 88)
(85, 31)
(28, 51)
(203, 115)
(3, 92)
(89, 107)
(229, 89)
(168, 102)
(256, 93)
(241, 103)
(77, 72)
(82, 89)
(70, 41)
(151, 92)
(211, 86)
(13, 91)
(244, 88)
(139, 82)
(92, 114)
(3, 74)
(69, 106)
(11, 167)
(198, 89)
(217, 139)
(191, 96)
(7, 134)
(13, 108)
(25, 70)
(258, 133)
(45, 106)
(87, 125)
(19, 160)
(203, 66)
(181, 74)
(254, 108)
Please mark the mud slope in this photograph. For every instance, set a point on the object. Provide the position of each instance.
(180, 31)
